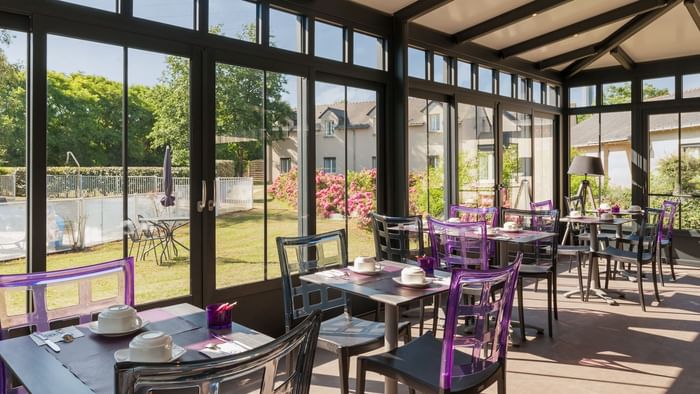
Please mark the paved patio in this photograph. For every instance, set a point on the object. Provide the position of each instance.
(597, 348)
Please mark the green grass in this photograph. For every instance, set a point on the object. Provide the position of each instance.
(239, 251)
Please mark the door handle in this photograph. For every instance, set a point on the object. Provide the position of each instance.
(202, 202)
(212, 203)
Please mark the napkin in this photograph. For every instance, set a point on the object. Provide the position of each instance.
(223, 349)
(333, 274)
(55, 335)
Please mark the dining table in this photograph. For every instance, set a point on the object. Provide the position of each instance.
(86, 365)
(382, 288)
(593, 223)
(168, 225)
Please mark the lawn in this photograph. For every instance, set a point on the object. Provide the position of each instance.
(240, 251)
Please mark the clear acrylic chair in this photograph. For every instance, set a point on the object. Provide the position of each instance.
(34, 289)
(344, 335)
(467, 359)
(460, 244)
(666, 240)
(256, 369)
(470, 214)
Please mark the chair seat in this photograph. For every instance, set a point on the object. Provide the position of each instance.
(418, 364)
(623, 255)
(535, 269)
(572, 250)
(342, 332)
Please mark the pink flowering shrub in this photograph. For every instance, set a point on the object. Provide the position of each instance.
(330, 193)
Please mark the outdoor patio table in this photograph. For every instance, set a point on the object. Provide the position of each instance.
(593, 222)
(87, 364)
(169, 224)
(382, 288)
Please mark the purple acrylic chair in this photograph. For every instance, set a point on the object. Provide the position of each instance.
(46, 310)
(470, 214)
(545, 205)
(459, 245)
(465, 361)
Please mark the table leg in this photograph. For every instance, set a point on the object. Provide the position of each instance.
(391, 332)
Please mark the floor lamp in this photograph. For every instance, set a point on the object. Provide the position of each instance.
(586, 165)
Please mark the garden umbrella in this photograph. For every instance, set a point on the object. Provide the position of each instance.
(168, 200)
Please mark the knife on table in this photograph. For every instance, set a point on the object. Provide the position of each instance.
(52, 345)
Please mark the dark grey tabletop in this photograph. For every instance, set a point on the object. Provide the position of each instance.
(87, 364)
(381, 287)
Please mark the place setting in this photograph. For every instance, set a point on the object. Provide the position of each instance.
(117, 321)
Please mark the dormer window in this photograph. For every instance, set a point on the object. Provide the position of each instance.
(434, 122)
(330, 128)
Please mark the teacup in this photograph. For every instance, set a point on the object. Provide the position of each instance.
(575, 213)
(604, 206)
(117, 318)
(607, 216)
(364, 263)
(510, 226)
(412, 275)
(151, 346)
(635, 208)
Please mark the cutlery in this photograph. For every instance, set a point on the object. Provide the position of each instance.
(52, 345)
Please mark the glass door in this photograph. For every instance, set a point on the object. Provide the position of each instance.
(516, 160)
(476, 156)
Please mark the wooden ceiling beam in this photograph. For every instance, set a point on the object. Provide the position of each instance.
(623, 58)
(693, 7)
(620, 35)
(419, 8)
(583, 26)
(576, 54)
(513, 16)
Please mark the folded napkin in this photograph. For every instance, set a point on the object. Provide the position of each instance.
(55, 335)
(333, 274)
(223, 349)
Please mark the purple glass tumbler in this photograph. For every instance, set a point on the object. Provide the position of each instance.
(427, 264)
(219, 316)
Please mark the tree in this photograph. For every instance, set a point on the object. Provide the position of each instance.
(622, 93)
(12, 108)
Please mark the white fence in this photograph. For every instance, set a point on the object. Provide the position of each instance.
(8, 186)
(97, 217)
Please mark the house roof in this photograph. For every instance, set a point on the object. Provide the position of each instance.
(616, 126)
(359, 114)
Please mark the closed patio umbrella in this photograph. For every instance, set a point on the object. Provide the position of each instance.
(168, 199)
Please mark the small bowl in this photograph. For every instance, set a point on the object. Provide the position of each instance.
(117, 318)
(151, 346)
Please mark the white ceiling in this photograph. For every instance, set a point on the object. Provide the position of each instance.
(673, 35)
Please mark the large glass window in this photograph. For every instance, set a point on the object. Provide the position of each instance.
(173, 12)
(656, 89)
(329, 41)
(617, 93)
(464, 74)
(346, 181)
(544, 158)
(416, 63)
(476, 156)
(485, 79)
(368, 50)
(516, 161)
(234, 18)
(13, 171)
(158, 121)
(286, 30)
(427, 138)
(582, 96)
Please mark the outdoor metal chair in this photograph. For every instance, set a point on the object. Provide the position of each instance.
(647, 240)
(35, 289)
(344, 335)
(396, 244)
(666, 239)
(539, 258)
(243, 372)
(466, 360)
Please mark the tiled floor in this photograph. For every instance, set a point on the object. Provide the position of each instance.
(597, 348)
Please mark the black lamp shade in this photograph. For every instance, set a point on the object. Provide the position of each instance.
(586, 165)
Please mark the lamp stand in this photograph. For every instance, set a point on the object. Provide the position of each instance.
(585, 191)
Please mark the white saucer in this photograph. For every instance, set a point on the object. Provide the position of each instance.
(375, 272)
(94, 328)
(122, 355)
(426, 283)
(513, 230)
(575, 216)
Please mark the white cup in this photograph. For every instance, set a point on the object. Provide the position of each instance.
(605, 206)
(412, 275)
(151, 346)
(510, 226)
(636, 208)
(364, 263)
(117, 318)
(575, 213)
(606, 216)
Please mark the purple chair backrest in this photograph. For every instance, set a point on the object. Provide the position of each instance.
(51, 294)
(488, 341)
(470, 214)
(669, 208)
(461, 245)
(546, 205)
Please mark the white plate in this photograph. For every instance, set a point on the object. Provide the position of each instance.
(94, 328)
(122, 355)
(375, 272)
(426, 283)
